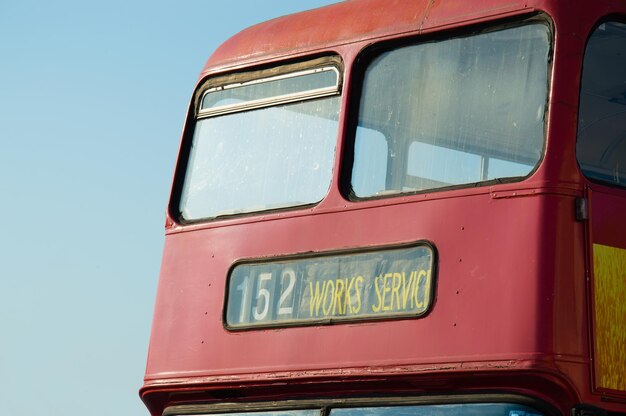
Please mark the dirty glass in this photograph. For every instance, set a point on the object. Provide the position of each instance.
(279, 86)
(601, 144)
(451, 112)
(305, 412)
(255, 159)
(331, 288)
(475, 409)
(467, 409)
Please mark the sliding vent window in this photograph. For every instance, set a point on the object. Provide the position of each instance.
(453, 112)
(262, 141)
(601, 145)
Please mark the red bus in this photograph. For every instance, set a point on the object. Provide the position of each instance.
(394, 208)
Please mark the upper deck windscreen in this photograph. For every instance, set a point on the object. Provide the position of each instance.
(464, 409)
(452, 112)
(262, 144)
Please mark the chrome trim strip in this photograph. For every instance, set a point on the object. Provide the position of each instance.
(271, 101)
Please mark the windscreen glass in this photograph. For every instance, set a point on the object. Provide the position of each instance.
(476, 409)
(469, 409)
(299, 412)
(457, 111)
(262, 145)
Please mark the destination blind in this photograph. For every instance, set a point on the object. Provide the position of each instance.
(386, 283)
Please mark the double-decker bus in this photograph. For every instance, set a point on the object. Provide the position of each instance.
(401, 208)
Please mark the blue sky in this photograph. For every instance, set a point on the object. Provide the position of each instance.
(92, 100)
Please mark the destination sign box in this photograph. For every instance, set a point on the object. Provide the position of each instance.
(386, 283)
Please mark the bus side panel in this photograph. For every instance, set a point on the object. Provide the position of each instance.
(494, 290)
(608, 252)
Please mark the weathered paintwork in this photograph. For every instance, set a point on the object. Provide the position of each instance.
(514, 307)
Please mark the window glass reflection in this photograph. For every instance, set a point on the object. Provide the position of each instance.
(452, 112)
(601, 145)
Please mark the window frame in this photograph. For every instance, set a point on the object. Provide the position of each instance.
(326, 405)
(371, 52)
(610, 18)
(273, 100)
(325, 321)
(268, 71)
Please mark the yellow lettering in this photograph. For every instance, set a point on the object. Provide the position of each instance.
(395, 290)
(328, 285)
(348, 300)
(359, 279)
(421, 274)
(316, 297)
(378, 306)
(427, 291)
(406, 289)
(385, 290)
(339, 286)
(415, 294)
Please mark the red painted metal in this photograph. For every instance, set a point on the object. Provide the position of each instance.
(511, 311)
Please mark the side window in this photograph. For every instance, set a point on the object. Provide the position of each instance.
(601, 144)
(453, 112)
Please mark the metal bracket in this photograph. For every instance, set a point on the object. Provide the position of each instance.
(582, 209)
